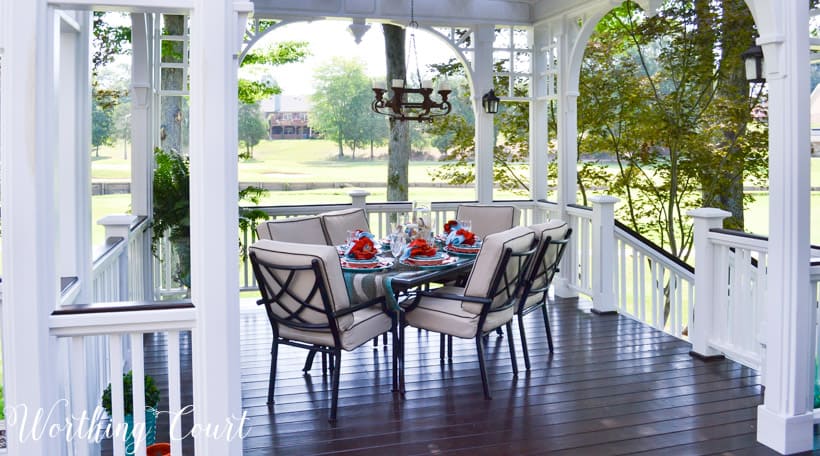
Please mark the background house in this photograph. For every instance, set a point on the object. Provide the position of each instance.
(287, 117)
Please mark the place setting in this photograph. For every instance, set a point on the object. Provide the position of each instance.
(421, 252)
(361, 254)
(458, 238)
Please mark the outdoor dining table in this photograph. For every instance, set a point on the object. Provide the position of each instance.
(398, 281)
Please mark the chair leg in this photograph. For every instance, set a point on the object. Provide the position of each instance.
(547, 325)
(376, 342)
(450, 348)
(499, 331)
(274, 353)
(523, 341)
(309, 361)
(441, 340)
(481, 365)
(401, 354)
(324, 364)
(337, 357)
(512, 348)
(384, 339)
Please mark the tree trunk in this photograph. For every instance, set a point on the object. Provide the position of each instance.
(398, 149)
(341, 151)
(371, 150)
(171, 106)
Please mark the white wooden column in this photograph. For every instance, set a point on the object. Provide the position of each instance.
(73, 158)
(785, 417)
(701, 314)
(142, 135)
(567, 150)
(214, 225)
(603, 251)
(539, 132)
(484, 129)
(28, 117)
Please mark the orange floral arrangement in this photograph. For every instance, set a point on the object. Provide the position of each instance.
(469, 236)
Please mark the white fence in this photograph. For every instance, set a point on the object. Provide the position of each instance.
(113, 329)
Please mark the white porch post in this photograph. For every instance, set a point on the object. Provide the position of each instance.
(74, 142)
(567, 152)
(539, 132)
(142, 138)
(785, 418)
(142, 154)
(701, 313)
(603, 251)
(30, 282)
(214, 224)
(484, 129)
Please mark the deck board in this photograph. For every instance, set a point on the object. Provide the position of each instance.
(612, 386)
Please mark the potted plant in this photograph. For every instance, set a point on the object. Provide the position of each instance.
(151, 404)
(172, 209)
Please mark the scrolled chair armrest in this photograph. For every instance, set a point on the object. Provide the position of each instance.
(456, 297)
(360, 306)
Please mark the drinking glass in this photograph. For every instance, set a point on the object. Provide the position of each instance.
(466, 224)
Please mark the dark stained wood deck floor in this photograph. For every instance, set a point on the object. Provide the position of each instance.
(613, 386)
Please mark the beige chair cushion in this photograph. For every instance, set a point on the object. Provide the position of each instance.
(336, 224)
(488, 219)
(519, 239)
(448, 317)
(367, 323)
(293, 254)
(304, 230)
(555, 229)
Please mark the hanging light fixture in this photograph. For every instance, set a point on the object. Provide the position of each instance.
(490, 102)
(753, 60)
(410, 103)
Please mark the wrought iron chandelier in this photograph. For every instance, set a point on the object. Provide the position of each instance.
(410, 103)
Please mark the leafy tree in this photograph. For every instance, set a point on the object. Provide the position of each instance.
(663, 96)
(252, 128)
(102, 128)
(341, 102)
(263, 58)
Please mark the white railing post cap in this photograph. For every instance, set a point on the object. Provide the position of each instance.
(604, 199)
(358, 193)
(708, 213)
(117, 219)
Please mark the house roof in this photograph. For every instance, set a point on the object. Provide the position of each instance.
(286, 103)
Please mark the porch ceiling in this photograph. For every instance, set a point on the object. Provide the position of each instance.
(428, 12)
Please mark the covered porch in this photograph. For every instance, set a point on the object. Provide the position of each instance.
(86, 329)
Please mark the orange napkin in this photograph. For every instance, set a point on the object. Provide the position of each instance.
(420, 248)
(362, 249)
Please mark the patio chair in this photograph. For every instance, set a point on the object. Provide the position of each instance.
(336, 224)
(488, 300)
(487, 219)
(306, 300)
(302, 230)
(553, 237)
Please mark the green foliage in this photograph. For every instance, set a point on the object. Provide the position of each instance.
(172, 208)
(151, 394)
(171, 197)
(341, 103)
(102, 127)
(666, 98)
(108, 40)
(252, 128)
(252, 92)
(279, 54)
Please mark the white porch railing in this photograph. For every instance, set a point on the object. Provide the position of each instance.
(624, 272)
(113, 327)
(815, 296)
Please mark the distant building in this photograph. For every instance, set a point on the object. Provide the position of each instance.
(287, 117)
